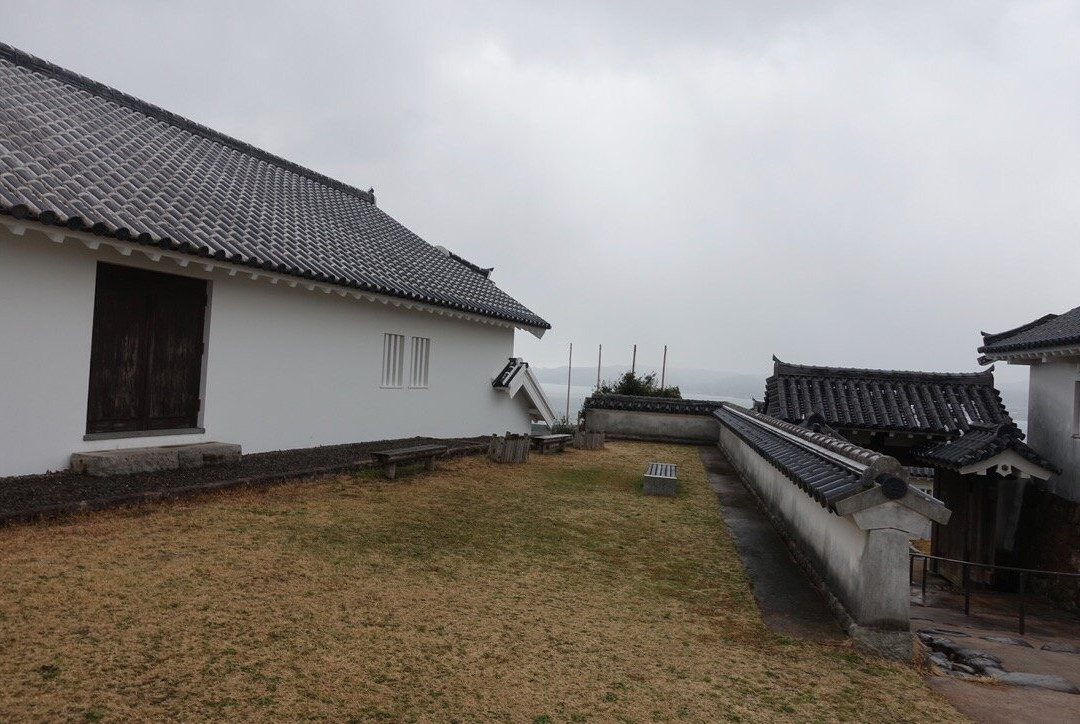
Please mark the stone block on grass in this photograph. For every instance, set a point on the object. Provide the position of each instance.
(660, 479)
(103, 463)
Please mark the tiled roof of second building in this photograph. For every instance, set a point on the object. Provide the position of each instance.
(886, 400)
(79, 154)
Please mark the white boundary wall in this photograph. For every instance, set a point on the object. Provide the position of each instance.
(833, 545)
(861, 558)
(284, 367)
(659, 426)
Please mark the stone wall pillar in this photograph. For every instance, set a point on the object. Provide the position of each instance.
(882, 617)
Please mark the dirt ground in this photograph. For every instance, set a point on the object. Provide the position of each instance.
(550, 591)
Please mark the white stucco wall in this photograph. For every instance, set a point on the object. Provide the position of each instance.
(1050, 422)
(661, 426)
(285, 367)
(834, 544)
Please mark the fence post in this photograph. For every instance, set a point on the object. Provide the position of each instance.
(924, 562)
(967, 590)
(1023, 577)
(911, 568)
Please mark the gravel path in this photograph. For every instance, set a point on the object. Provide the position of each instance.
(32, 496)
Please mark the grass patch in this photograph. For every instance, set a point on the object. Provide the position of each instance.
(552, 591)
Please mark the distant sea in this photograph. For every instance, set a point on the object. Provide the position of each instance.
(556, 394)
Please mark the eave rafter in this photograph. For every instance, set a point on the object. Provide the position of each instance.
(160, 256)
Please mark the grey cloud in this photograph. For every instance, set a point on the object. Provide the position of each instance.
(835, 182)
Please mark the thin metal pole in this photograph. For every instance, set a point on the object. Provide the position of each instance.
(1023, 576)
(911, 568)
(967, 591)
(599, 357)
(924, 581)
(663, 369)
(569, 369)
(633, 363)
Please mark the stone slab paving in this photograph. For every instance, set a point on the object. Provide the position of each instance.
(990, 672)
(996, 704)
(790, 604)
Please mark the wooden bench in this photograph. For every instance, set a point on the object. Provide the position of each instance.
(389, 459)
(660, 479)
(543, 443)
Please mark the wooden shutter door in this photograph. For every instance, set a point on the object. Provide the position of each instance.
(174, 365)
(116, 370)
(146, 353)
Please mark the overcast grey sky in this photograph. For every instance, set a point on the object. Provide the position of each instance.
(862, 184)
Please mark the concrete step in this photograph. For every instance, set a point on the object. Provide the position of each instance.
(101, 463)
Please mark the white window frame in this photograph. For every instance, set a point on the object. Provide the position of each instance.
(393, 361)
(419, 363)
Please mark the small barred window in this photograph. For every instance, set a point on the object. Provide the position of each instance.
(393, 359)
(421, 351)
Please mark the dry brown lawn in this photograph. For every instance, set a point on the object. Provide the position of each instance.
(546, 592)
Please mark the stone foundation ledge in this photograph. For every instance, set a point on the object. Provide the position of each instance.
(103, 463)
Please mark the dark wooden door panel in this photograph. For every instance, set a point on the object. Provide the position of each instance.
(175, 354)
(146, 354)
(117, 376)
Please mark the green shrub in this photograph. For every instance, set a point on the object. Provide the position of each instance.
(643, 386)
(563, 426)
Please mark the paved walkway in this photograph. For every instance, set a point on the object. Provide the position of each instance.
(790, 604)
(992, 628)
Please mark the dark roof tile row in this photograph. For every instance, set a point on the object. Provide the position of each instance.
(635, 403)
(819, 477)
(980, 443)
(884, 400)
(1052, 330)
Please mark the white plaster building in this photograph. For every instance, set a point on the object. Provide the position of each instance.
(1050, 346)
(161, 283)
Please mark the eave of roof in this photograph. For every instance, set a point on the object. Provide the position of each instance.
(979, 444)
(1051, 332)
(468, 290)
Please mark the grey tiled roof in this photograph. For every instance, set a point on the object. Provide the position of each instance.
(1053, 330)
(76, 153)
(884, 400)
(821, 478)
(981, 442)
(636, 403)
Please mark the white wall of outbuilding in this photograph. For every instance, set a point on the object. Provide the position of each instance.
(1051, 410)
(285, 367)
